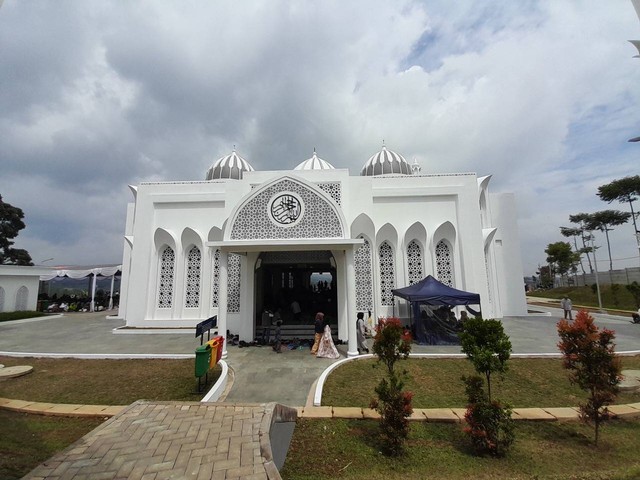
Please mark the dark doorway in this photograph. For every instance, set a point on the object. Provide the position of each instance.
(306, 278)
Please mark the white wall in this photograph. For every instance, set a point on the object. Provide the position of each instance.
(12, 278)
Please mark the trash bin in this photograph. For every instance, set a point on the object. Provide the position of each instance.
(217, 345)
(203, 360)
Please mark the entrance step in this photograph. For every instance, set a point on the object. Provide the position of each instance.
(304, 332)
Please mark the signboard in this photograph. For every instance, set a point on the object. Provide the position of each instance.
(206, 325)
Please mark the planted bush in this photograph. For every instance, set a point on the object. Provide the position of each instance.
(393, 403)
(589, 354)
(489, 422)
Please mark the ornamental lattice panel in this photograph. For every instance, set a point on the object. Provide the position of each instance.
(165, 284)
(364, 277)
(215, 294)
(318, 221)
(192, 293)
(22, 299)
(387, 274)
(233, 292)
(414, 262)
(444, 263)
(333, 189)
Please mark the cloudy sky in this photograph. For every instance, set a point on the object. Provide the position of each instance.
(96, 95)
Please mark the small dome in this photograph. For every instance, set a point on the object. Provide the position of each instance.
(231, 166)
(315, 163)
(386, 161)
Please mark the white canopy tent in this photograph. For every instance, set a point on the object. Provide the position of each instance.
(84, 271)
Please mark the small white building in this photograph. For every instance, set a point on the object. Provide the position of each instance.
(19, 287)
(244, 240)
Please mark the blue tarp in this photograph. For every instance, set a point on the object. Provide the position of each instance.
(430, 291)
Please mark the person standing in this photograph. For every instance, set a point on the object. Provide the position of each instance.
(361, 332)
(267, 318)
(319, 330)
(567, 307)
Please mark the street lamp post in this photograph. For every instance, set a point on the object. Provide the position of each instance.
(595, 265)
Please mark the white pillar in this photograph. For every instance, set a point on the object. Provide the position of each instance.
(351, 302)
(113, 277)
(222, 300)
(92, 306)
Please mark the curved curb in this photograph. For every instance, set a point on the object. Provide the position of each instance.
(219, 387)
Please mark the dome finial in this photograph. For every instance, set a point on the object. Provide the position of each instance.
(234, 147)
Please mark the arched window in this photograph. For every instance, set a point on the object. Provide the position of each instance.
(387, 274)
(444, 263)
(216, 279)
(414, 262)
(192, 294)
(1, 299)
(22, 299)
(165, 283)
(233, 292)
(364, 277)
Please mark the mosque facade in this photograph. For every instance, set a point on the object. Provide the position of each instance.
(242, 241)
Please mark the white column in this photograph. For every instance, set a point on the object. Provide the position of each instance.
(113, 277)
(222, 300)
(92, 306)
(351, 302)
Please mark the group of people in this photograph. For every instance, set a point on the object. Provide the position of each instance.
(323, 346)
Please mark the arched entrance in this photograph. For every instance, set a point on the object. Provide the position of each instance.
(306, 277)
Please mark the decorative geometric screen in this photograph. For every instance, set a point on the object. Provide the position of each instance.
(364, 277)
(1, 299)
(318, 221)
(233, 293)
(444, 263)
(387, 274)
(414, 262)
(165, 283)
(333, 189)
(192, 294)
(216, 279)
(22, 299)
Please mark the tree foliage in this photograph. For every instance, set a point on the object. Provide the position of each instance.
(393, 403)
(486, 346)
(604, 221)
(589, 354)
(561, 256)
(623, 190)
(10, 224)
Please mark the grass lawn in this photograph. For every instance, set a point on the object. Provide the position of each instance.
(535, 382)
(348, 449)
(28, 440)
(617, 298)
(6, 316)
(103, 382)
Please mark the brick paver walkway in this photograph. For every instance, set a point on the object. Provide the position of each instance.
(163, 440)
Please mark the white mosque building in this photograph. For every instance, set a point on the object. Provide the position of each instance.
(244, 240)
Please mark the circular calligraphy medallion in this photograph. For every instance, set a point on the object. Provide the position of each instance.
(285, 209)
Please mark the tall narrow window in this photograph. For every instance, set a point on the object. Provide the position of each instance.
(216, 279)
(364, 277)
(233, 275)
(165, 284)
(387, 274)
(22, 299)
(192, 294)
(444, 263)
(414, 262)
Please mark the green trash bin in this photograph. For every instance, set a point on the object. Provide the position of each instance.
(203, 357)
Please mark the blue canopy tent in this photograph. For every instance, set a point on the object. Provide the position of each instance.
(430, 291)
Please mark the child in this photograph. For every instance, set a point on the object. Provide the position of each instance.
(277, 344)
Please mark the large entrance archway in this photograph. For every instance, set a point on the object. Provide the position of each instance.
(308, 278)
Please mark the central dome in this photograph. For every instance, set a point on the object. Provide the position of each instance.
(231, 166)
(315, 163)
(386, 161)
